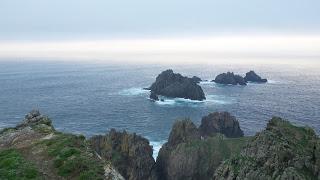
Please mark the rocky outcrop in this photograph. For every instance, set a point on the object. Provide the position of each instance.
(130, 154)
(188, 156)
(50, 154)
(169, 160)
(282, 151)
(33, 127)
(196, 79)
(251, 76)
(183, 131)
(175, 85)
(154, 96)
(220, 122)
(230, 78)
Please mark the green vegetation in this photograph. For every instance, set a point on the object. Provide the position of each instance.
(14, 166)
(291, 153)
(218, 144)
(72, 158)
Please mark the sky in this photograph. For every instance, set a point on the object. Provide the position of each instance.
(102, 28)
(46, 19)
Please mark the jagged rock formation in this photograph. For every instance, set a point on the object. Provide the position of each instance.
(154, 96)
(130, 154)
(183, 131)
(282, 151)
(175, 85)
(230, 78)
(34, 126)
(35, 150)
(196, 79)
(188, 156)
(251, 76)
(220, 122)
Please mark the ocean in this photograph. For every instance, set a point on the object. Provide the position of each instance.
(91, 98)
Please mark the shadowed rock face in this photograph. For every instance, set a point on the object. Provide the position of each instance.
(175, 85)
(220, 122)
(183, 131)
(168, 164)
(130, 154)
(154, 96)
(282, 151)
(230, 78)
(253, 77)
(196, 79)
(187, 156)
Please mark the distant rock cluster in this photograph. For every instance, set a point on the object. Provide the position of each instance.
(174, 85)
(230, 78)
(234, 79)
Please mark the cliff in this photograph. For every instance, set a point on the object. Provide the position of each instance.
(216, 150)
(282, 151)
(35, 150)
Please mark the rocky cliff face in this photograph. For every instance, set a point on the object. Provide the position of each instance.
(196, 79)
(175, 85)
(154, 96)
(33, 127)
(282, 151)
(130, 154)
(189, 156)
(253, 77)
(220, 122)
(35, 150)
(230, 78)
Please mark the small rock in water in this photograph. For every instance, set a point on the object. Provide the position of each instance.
(154, 96)
(253, 77)
(230, 78)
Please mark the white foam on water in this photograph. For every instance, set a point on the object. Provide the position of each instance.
(165, 101)
(156, 145)
(214, 84)
(273, 82)
(207, 83)
(210, 99)
(133, 92)
(218, 99)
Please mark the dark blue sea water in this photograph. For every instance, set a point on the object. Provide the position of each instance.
(91, 98)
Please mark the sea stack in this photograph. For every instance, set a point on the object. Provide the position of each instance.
(230, 78)
(174, 85)
(251, 76)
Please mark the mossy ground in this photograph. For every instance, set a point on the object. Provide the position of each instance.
(72, 157)
(218, 145)
(292, 147)
(13, 166)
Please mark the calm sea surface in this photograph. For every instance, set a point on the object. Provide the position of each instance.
(90, 98)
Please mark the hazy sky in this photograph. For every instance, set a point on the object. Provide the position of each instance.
(160, 30)
(51, 19)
